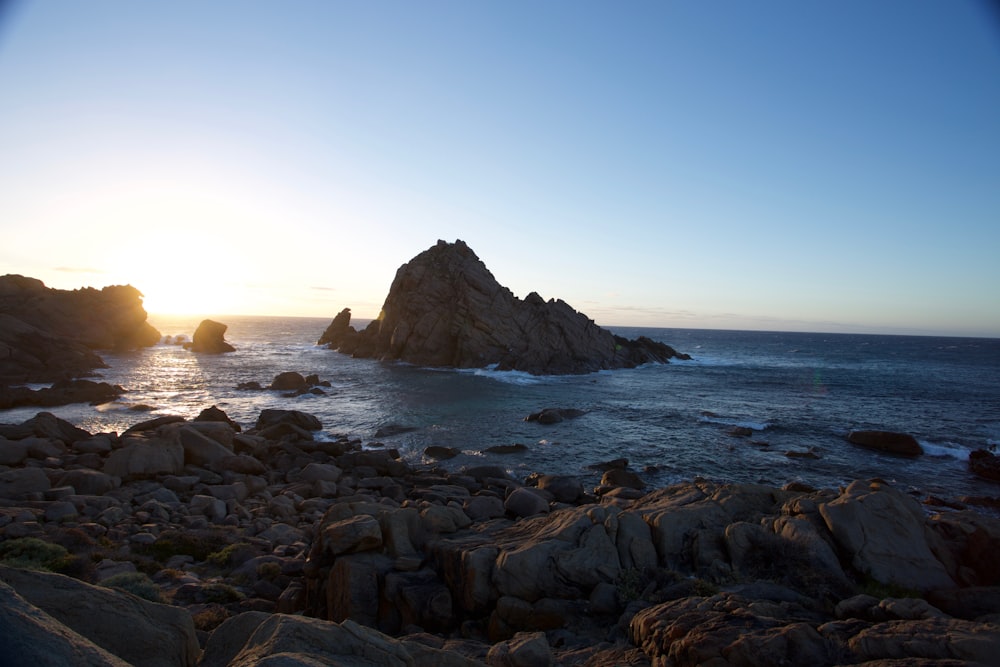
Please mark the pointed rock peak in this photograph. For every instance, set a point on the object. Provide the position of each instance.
(446, 309)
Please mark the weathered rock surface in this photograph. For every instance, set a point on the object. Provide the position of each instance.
(48, 334)
(446, 309)
(32, 637)
(136, 630)
(209, 338)
(285, 549)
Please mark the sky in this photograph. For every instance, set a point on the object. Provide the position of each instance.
(777, 165)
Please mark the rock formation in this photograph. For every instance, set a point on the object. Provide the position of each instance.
(890, 442)
(49, 334)
(209, 338)
(445, 309)
(268, 545)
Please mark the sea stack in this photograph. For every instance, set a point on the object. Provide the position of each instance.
(445, 309)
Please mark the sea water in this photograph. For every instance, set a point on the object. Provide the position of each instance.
(790, 392)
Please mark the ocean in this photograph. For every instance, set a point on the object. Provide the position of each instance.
(792, 392)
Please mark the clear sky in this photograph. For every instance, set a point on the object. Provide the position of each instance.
(786, 164)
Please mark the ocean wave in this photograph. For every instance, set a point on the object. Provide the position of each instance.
(508, 377)
(945, 450)
(742, 423)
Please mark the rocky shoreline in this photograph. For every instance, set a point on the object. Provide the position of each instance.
(203, 542)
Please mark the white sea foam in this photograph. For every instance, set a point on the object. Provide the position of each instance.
(509, 377)
(949, 450)
(725, 421)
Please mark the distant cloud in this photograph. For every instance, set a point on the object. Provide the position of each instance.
(324, 289)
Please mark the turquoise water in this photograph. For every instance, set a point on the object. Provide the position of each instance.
(794, 391)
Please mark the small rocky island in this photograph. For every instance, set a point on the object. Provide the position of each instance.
(445, 309)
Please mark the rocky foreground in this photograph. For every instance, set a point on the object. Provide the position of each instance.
(198, 543)
(445, 309)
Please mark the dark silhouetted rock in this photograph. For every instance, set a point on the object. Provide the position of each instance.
(49, 334)
(887, 441)
(445, 309)
(62, 392)
(441, 453)
(289, 381)
(553, 415)
(214, 414)
(209, 338)
(985, 464)
(338, 331)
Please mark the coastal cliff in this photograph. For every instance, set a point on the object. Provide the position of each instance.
(445, 309)
(51, 335)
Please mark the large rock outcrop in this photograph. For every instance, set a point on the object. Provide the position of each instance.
(445, 309)
(209, 338)
(50, 334)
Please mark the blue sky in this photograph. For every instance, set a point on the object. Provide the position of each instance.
(818, 166)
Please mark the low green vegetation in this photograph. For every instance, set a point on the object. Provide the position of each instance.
(31, 553)
(136, 583)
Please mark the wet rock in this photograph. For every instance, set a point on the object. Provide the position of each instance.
(209, 338)
(985, 464)
(902, 444)
(288, 381)
(441, 453)
(553, 415)
(273, 417)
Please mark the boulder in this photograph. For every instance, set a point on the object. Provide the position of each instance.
(209, 338)
(144, 456)
(214, 414)
(985, 464)
(157, 635)
(12, 452)
(445, 309)
(296, 640)
(32, 637)
(884, 532)
(44, 425)
(288, 381)
(273, 416)
(20, 482)
(890, 442)
(524, 649)
(87, 482)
